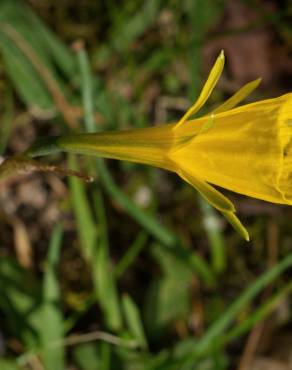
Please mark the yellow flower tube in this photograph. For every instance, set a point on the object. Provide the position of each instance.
(246, 149)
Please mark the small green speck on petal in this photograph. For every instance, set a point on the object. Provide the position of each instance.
(208, 124)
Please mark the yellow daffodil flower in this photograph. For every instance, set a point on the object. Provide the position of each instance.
(246, 149)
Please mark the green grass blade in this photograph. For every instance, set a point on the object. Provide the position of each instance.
(51, 328)
(104, 279)
(134, 26)
(6, 121)
(87, 90)
(133, 320)
(211, 224)
(83, 214)
(46, 44)
(26, 80)
(6, 364)
(52, 45)
(105, 356)
(131, 254)
(258, 315)
(213, 334)
(147, 221)
(87, 356)
(103, 276)
(18, 296)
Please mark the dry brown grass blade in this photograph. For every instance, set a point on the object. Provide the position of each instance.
(62, 104)
(20, 165)
(23, 247)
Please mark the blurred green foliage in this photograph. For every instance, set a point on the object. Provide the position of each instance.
(165, 286)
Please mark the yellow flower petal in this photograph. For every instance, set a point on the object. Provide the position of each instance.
(213, 196)
(207, 89)
(240, 95)
(247, 150)
(236, 224)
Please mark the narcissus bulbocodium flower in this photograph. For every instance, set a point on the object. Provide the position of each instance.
(246, 149)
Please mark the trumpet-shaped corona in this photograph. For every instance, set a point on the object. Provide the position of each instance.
(246, 149)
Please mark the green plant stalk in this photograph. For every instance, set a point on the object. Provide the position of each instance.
(54, 359)
(104, 282)
(131, 254)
